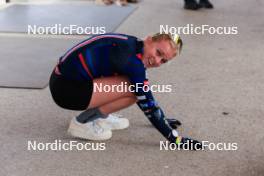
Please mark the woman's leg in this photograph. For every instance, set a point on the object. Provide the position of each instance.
(117, 105)
(101, 104)
(109, 102)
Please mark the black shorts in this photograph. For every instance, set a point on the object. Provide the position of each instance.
(69, 94)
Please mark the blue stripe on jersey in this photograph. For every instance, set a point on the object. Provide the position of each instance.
(89, 61)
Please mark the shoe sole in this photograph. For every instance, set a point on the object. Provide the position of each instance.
(121, 128)
(79, 134)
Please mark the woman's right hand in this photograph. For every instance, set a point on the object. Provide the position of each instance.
(186, 143)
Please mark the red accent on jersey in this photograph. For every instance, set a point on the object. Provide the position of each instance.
(139, 55)
(146, 82)
(57, 71)
(85, 66)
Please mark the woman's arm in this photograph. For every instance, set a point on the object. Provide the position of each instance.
(146, 102)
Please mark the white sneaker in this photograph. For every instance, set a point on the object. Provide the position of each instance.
(121, 2)
(93, 130)
(114, 122)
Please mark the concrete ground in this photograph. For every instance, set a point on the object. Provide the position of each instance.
(214, 74)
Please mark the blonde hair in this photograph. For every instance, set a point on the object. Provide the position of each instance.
(175, 41)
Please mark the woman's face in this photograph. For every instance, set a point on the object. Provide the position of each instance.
(157, 53)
